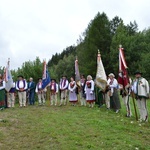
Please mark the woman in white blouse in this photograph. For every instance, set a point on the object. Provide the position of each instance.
(113, 90)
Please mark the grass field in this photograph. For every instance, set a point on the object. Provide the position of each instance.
(71, 128)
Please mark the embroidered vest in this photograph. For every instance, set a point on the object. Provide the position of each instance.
(53, 87)
(23, 84)
(88, 84)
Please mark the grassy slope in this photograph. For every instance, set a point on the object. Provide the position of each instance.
(71, 128)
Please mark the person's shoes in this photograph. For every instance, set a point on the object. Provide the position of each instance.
(140, 120)
(117, 111)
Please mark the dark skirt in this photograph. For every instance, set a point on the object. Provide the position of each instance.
(115, 101)
(2, 98)
(99, 97)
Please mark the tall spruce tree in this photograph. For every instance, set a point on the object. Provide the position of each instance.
(97, 36)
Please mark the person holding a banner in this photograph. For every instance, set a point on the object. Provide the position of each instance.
(82, 93)
(124, 81)
(2, 93)
(40, 92)
(89, 91)
(141, 90)
(11, 96)
(125, 85)
(101, 83)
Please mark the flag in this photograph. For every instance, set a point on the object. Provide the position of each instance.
(101, 79)
(46, 77)
(8, 78)
(123, 79)
(77, 74)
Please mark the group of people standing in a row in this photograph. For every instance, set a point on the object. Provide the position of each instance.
(86, 92)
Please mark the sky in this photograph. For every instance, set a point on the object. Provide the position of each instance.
(40, 28)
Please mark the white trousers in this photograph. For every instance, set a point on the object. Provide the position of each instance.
(82, 99)
(107, 99)
(10, 99)
(22, 98)
(126, 100)
(142, 109)
(53, 99)
(41, 98)
(63, 97)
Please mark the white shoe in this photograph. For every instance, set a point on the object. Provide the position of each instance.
(117, 111)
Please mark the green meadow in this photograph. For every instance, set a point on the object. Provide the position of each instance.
(71, 128)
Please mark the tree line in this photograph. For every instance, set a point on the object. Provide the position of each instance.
(105, 35)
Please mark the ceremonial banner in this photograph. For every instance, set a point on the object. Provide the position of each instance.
(46, 77)
(8, 78)
(101, 78)
(123, 79)
(77, 74)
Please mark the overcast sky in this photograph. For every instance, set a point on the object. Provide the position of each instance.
(30, 28)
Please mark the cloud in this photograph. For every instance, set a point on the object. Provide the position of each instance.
(32, 28)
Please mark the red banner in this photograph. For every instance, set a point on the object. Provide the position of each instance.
(123, 74)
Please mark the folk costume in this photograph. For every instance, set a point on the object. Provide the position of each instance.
(31, 92)
(11, 96)
(89, 90)
(141, 90)
(53, 92)
(125, 93)
(113, 93)
(72, 93)
(82, 92)
(107, 97)
(21, 87)
(40, 92)
(100, 81)
(99, 96)
(2, 94)
(63, 88)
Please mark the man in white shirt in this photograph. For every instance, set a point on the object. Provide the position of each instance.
(63, 88)
(21, 87)
(141, 90)
(40, 92)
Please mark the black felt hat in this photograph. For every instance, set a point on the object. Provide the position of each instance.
(53, 79)
(138, 72)
(20, 76)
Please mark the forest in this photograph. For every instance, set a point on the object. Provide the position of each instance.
(103, 34)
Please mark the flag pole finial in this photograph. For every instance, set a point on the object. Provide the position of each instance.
(120, 46)
(76, 57)
(99, 54)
